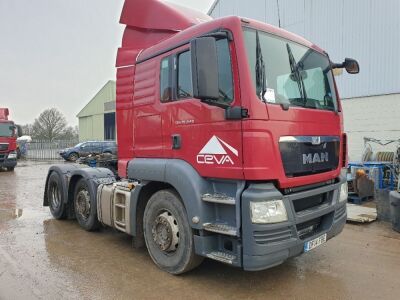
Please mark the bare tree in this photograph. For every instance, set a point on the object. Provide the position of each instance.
(27, 129)
(70, 133)
(50, 125)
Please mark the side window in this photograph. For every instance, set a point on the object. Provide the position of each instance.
(165, 81)
(184, 76)
(224, 72)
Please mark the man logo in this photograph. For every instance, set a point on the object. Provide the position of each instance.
(316, 140)
(214, 152)
(315, 158)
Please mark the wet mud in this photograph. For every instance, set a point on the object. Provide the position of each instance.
(42, 258)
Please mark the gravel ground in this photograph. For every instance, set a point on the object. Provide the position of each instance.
(42, 258)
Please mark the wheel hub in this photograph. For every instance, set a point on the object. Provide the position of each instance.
(83, 203)
(165, 232)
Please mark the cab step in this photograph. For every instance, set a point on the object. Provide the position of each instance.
(221, 228)
(222, 257)
(218, 198)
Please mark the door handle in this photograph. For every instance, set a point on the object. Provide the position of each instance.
(176, 141)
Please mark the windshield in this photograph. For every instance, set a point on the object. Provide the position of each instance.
(6, 129)
(288, 73)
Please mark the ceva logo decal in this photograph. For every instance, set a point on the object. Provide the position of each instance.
(214, 152)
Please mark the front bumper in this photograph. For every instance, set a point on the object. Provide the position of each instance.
(268, 245)
(7, 163)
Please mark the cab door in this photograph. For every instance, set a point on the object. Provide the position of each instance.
(196, 132)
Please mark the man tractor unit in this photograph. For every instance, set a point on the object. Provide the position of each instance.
(230, 143)
(8, 141)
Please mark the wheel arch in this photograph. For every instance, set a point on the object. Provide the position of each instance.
(173, 173)
(71, 174)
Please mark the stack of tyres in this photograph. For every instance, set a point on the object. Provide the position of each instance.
(395, 210)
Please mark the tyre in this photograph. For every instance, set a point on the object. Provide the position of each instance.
(85, 206)
(55, 196)
(10, 169)
(73, 157)
(168, 235)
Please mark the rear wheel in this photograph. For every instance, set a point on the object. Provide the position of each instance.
(85, 206)
(168, 235)
(55, 196)
(10, 169)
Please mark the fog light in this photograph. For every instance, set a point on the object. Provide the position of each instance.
(344, 191)
(268, 212)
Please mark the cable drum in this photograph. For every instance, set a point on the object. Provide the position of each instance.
(384, 156)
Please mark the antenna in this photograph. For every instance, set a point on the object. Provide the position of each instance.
(279, 14)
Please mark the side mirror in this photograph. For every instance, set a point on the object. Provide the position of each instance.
(351, 66)
(19, 130)
(204, 68)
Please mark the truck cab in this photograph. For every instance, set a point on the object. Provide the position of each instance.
(8, 141)
(230, 142)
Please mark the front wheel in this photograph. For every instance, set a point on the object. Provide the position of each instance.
(85, 206)
(168, 235)
(10, 169)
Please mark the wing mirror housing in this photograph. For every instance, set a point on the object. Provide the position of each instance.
(351, 66)
(204, 68)
(19, 130)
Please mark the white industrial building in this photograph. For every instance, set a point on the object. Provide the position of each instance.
(367, 30)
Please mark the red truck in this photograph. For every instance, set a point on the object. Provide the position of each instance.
(8, 141)
(230, 143)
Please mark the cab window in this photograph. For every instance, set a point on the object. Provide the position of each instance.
(165, 80)
(182, 87)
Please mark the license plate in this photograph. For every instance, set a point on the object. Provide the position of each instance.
(315, 243)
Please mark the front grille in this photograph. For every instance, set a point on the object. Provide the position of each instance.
(272, 236)
(312, 201)
(3, 147)
(305, 155)
(309, 228)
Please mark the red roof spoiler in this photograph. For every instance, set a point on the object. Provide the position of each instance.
(150, 21)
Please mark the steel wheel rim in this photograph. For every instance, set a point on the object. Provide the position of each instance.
(82, 204)
(55, 195)
(165, 232)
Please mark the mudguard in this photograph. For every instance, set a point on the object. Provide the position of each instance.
(185, 179)
(71, 173)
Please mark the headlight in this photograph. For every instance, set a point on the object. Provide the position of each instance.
(268, 212)
(12, 155)
(343, 192)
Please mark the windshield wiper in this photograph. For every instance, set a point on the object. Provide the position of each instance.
(261, 85)
(295, 71)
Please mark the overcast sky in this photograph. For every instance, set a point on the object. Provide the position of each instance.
(58, 53)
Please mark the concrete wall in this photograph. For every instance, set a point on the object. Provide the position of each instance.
(375, 117)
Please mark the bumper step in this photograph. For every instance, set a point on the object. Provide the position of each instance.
(221, 228)
(218, 198)
(222, 257)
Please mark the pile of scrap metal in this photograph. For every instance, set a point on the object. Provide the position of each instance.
(103, 160)
(389, 160)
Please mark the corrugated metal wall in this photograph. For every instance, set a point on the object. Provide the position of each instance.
(368, 30)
